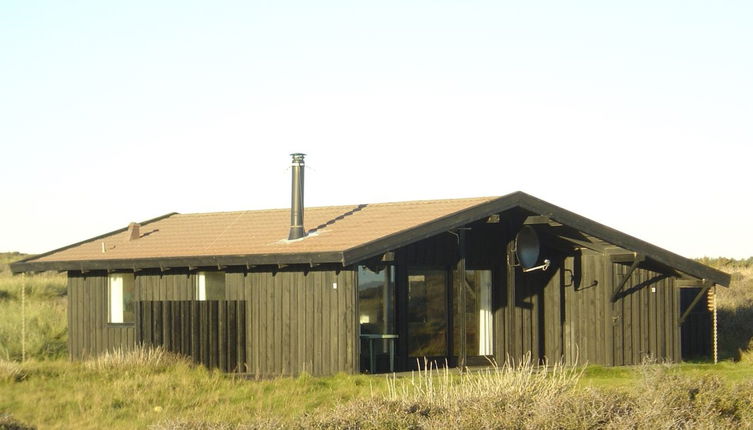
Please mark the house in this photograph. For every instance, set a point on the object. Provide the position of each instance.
(379, 287)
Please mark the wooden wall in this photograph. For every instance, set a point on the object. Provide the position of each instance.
(296, 320)
(211, 332)
(645, 318)
(88, 331)
(565, 313)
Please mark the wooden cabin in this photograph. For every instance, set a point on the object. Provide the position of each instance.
(380, 287)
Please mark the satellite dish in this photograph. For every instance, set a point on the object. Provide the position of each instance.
(528, 249)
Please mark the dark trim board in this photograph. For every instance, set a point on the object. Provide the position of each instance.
(623, 240)
(179, 262)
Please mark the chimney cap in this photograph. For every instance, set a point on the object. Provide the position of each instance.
(298, 157)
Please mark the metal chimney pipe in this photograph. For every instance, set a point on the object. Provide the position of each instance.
(296, 206)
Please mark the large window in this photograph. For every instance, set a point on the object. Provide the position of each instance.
(120, 298)
(427, 313)
(210, 286)
(376, 300)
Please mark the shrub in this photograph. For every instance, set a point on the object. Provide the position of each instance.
(7, 422)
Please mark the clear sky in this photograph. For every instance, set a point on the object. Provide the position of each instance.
(636, 114)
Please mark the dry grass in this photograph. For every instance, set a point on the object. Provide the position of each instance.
(11, 371)
(528, 397)
(139, 358)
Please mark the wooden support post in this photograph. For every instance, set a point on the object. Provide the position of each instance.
(511, 335)
(707, 285)
(23, 317)
(715, 334)
(461, 300)
(637, 260)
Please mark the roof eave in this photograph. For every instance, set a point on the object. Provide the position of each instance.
(180, 262)
(625, 241)
(533, 204)
(428, 229)
(23, 262)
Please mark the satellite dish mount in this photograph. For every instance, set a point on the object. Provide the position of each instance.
(528, 250)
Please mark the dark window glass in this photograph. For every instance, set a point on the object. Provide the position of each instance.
(427, 313)
(210, 286)
(376, 300)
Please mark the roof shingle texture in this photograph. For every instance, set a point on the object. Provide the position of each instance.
(330, 229)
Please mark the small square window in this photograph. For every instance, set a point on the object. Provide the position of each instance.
(210, 286)
(120, 297)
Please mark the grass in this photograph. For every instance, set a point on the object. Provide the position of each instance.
(147, 388)
(143, 387)
(153, 388)
(735, 308)
(45, 313)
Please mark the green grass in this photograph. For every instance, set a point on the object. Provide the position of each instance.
(138, 394)
(44, 308)
(165, 391)
(139, 390)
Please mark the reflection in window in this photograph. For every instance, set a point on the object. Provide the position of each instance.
(376, 300)
(120, 298)
(478, 313)
(427, 313)
(210, 286)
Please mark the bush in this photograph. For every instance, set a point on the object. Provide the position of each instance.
(528, 398)
(7, 422)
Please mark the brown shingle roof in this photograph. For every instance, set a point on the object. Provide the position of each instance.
(331, 229)
(338, 234)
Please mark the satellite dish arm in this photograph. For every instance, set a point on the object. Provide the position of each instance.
(541, 267)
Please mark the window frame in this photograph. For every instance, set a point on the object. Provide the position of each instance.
(200, 291)
(128, 281)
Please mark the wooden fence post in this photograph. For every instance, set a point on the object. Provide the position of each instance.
(23, 317)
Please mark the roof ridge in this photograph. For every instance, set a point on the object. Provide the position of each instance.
(400, 202)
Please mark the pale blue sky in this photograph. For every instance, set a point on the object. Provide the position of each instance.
(637, 115)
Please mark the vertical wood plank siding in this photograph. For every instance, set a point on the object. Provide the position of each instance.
(169, 323)
(299, 322)
(296, 320)
(88, 331)
(645, 317)
(565, 313)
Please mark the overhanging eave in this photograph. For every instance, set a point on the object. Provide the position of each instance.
(178, 262)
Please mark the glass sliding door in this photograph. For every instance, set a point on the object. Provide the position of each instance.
(376, 305)
(427, 313)
(478, 313)
(376, 299)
